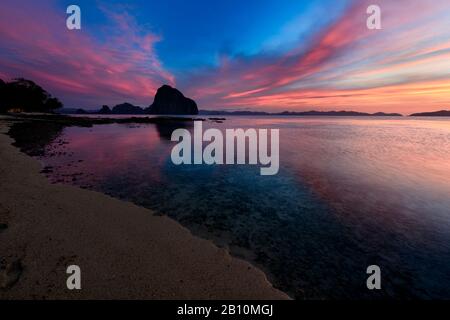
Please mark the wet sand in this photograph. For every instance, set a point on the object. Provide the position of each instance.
(124, 251)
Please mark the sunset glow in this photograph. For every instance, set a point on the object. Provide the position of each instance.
(311, 55)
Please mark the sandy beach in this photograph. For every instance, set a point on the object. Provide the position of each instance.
(124, 251)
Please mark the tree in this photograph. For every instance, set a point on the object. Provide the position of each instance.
(25, 95)
(53, 104)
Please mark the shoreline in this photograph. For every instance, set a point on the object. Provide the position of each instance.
(124, 251)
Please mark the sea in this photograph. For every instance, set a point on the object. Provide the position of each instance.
(351, 192)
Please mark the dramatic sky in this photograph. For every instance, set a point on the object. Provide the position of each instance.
(234, 55)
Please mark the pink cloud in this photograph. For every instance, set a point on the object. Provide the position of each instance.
(74, 65)
(342, 64)
(341, 67)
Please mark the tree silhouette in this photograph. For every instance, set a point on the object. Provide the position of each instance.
(25, 95)
(2, 96)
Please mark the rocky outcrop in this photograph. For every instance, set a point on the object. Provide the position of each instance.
(105, 110)
(169, 100)
(127, 108)
(442, 113)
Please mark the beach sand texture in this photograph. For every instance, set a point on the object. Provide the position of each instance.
(124, 251)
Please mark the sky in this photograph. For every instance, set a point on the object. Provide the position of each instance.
(234, 55)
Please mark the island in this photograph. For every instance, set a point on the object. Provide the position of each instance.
(441, 113)
(299, 113)
(169, 100)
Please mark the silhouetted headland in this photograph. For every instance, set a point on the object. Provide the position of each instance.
(127, 108)
(169, 100)
(299, 113)
(441, 113)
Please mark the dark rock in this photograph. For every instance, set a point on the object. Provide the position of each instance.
(22, 95)
(217, 120)
(442, 113)
(105, 110)
(169, 100)
(3, 226)
(127, 108)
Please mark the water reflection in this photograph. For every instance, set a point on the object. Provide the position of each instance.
(350, 193)
(165, 129)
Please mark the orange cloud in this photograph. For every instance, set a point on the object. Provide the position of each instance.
(347, 66)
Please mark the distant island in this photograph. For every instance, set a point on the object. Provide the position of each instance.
(128, 108)
(22, 95)
(167, 101)
(299, 113)
(123, 108)
(441, 113)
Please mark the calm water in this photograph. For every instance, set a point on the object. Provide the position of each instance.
(350, 192)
